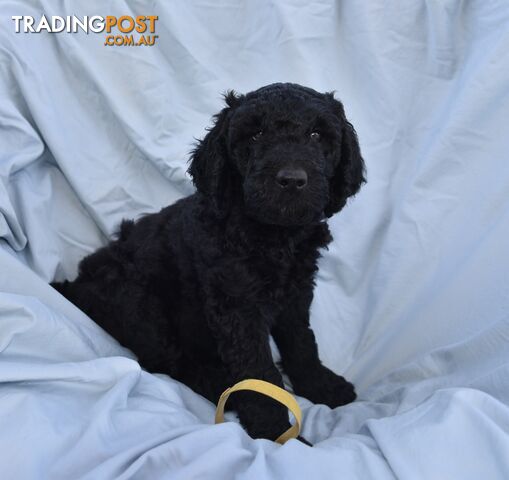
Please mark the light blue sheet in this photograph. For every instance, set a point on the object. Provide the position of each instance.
(412, 300)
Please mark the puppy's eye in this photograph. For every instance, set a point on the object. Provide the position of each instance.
(257, 135)
(314, 135)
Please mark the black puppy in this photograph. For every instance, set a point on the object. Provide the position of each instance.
(196, 289)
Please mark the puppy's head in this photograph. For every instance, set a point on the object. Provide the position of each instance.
(285, 153)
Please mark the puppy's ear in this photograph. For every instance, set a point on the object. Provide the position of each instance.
(349, 169)
(209, 165)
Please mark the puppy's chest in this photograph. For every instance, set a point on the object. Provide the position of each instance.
(281, 274)
(262, 280)
(276, 266)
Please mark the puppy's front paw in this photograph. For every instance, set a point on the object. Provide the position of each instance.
(325, 387)
(262, 417)
(268, 430)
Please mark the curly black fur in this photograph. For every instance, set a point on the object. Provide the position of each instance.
(196, 289)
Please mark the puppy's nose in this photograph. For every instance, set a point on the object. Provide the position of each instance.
(292, 178)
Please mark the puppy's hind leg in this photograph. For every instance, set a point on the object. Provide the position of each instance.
(135, 318)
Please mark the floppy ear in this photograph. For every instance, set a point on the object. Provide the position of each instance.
(349, 169)
(209, 168)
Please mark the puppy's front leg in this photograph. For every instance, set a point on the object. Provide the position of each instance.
(243, 345)
(299, 354)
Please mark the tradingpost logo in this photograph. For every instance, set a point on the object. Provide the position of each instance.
(120, 31)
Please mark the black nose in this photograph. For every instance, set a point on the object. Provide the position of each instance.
(292, 178)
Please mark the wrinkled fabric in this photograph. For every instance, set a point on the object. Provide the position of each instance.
(412, 298)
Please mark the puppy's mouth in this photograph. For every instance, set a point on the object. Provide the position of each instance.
(286, 216)
(270, 206)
